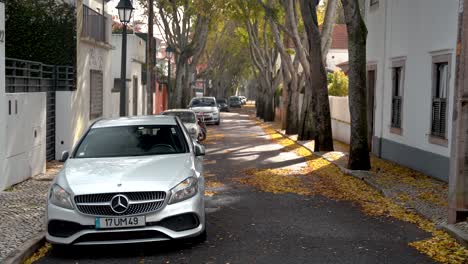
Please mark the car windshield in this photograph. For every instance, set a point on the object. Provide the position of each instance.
(234, 99)
(200, 102)
(221, 101)
(185, 117)
(126, 141)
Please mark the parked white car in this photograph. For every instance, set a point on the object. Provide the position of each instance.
(189, 119)
(207, 109)
(134, 179)
(243, 99)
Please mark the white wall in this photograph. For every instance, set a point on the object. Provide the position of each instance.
(340, 118)
(336, 56)
(72, 108)
(3, 110)
(417, 30)
(25, 145)
(136, 53)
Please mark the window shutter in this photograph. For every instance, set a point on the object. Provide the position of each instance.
(96, 94)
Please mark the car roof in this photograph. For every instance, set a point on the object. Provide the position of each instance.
(135, 121)
(204, 97)
(179, 110)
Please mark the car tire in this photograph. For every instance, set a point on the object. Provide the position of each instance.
(217, 123)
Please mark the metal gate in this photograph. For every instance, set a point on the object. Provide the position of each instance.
(29, 76)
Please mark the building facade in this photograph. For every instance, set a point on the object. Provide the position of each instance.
(338, 52)
(3, 114)
(136, 60)
(93, 97)
(411, 50)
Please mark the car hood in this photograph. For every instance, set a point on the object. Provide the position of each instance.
(126, 174)
(204, 109)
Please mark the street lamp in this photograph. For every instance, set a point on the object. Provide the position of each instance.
(125, 10)
(169, 53)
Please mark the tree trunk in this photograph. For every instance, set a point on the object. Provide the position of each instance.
(176, 92)
(307, 128)
(327, 28)
(318, 80)
(269, 107)
(292, 118)
(357, 34)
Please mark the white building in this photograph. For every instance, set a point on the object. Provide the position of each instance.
(136, 60)
(92, 98)
(3, 113)
(338, 52)
(411, 50)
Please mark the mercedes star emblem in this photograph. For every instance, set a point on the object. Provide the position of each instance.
(119, 203)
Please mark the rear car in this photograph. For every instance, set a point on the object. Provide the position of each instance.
(135, 179)
(235, 101)
(223, 105)
(243, 99)
(189, 119)
(206, 108)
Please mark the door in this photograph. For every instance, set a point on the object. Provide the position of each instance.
(371, 80)
(135, 96)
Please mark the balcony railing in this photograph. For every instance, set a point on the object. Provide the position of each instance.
(94, 25)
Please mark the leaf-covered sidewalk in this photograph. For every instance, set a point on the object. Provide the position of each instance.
(388, 190)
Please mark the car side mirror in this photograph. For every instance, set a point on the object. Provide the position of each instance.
(65, 156)
(199, 150)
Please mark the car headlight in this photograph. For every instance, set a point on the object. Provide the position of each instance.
(59, 197)
(215, 113)
(184, 190)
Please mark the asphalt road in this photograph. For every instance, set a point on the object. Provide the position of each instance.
(248, 226)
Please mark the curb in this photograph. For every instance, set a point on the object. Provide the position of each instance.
(26, 250)
(452, 230)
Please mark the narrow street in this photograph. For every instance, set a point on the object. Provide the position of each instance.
(248, 226)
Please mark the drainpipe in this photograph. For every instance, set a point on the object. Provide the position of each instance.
(103, 22)
(383, 70)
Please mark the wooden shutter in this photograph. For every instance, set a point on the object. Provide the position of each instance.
(96, 94)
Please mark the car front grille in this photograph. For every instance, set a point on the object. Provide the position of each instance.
(139, 203)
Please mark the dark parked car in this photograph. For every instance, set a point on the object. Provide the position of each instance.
(235, 101)
(223, 105)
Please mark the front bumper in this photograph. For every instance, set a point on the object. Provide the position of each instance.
(156, 228)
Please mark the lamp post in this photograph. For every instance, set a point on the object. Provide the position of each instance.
(169, 52)
(125, 9)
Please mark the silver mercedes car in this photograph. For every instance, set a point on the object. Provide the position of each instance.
(135, 179)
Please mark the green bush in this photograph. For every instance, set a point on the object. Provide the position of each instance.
(337, 83)
(41, 30)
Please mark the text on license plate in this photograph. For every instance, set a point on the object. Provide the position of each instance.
(119, 222)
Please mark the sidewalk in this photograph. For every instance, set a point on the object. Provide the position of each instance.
(411, 189)
(22, 218)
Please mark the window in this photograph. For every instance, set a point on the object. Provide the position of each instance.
(96, 94)
(126, 141)
(440, 86)
(374, 3)
(398, 71)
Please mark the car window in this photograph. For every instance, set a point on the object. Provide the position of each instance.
(132, 141)
(200, 102)
(185, 117)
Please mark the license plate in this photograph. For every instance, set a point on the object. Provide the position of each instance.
(119, 222)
